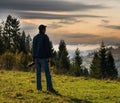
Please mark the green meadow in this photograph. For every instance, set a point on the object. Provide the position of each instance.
(20, 87)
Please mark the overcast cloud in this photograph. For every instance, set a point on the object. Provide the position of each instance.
(46, 5)
(78, 15)
(112, 26)
(27, 15)
(26, 9)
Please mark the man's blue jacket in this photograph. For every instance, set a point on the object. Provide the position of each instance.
(41, 46)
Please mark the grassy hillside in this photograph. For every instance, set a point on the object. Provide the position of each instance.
(19, 87)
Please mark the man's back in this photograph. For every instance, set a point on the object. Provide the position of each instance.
(41, 47)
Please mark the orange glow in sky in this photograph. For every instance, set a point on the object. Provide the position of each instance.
(77, 21)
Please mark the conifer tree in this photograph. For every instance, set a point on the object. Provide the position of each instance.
(77, 62)
(11, 34)
(64, 62)
(103, 65)
(102, 55)
(95, 66)
(8, 33)
(22, 43)
(16, 33)
(78, 59)
(111, 69)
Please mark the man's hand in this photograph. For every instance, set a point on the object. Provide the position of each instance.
(31, 64)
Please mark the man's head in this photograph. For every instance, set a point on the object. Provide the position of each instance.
(42, 28)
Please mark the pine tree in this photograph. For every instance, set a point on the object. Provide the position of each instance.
(102, 55)
(64, 62)
(22, 43)
(11, 34)
(15, 34)
(111, 69)
(95, 66)
(103, 65)
(77, 62)
(78, 59)
(62, 48)
(8, 33)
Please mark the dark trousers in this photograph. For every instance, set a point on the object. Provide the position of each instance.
(43, 63)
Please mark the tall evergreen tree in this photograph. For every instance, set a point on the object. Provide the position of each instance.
(22, 44)
(64, 62)
(16, 34)
(95, 66)
(11, 34)
(102, 55)
(8, 33)
(62, 48)
(76, 68)
(78, 59)
(111, 69)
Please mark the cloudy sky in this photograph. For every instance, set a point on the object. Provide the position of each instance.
(75, 21)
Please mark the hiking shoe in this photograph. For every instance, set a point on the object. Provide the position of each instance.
(52, 91)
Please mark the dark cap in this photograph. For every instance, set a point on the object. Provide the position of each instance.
(42, 27)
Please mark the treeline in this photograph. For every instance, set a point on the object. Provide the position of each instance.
(63, 65)
(11, 38)
(102, 65)
(15, 46)
(15, 54)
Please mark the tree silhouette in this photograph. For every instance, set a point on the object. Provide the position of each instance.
(103, 65)
(63, 59)
(102, 55)
(76, 65)
(111, 69)
(95, 66)
(11, 34)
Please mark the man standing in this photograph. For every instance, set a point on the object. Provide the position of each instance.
(41, 54)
